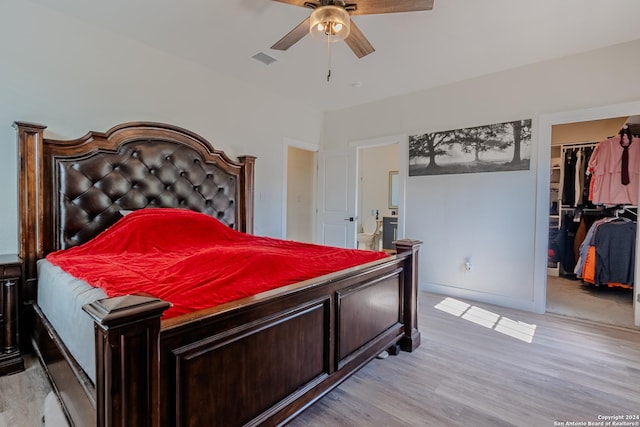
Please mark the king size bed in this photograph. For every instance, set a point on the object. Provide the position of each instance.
(254, 359)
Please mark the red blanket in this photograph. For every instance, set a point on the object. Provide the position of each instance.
(194, 261)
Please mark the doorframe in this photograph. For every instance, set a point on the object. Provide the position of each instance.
(403, 167)
(541, 238)
(286, 143)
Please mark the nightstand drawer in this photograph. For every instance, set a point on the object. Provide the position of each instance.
(10, 272)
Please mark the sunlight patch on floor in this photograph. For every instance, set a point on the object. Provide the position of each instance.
(520, 330)
(453, 306)
(480, 316)
(515, 329)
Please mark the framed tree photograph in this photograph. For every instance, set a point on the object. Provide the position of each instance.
(489, 148)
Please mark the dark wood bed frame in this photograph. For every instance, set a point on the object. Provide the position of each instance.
(260, 360)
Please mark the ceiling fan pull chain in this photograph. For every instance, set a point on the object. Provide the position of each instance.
(329, 56)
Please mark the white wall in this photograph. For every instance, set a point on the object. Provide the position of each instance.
(490, 218)
(75, 78)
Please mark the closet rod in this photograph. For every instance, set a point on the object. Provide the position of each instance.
(579, 145)
(622, 210)
(628, 210)
(619, 206)
(619, 209)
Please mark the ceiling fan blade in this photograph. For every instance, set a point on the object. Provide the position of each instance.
(293, 36)
(371, 7)
(358, 42)
(301, 3)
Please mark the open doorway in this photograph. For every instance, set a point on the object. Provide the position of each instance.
(378, 196)
(339, 209)
(299, 194)
(573, 218)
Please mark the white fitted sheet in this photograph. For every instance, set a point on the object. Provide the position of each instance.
(61, 297)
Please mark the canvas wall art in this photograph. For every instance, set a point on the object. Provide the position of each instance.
(489, 148)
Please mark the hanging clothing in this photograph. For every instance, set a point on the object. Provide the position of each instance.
(587, 176)
(615, 165)
(589, 266)
(564, 242)
(584, 249)
(568, 185)
(607, 254)
(615, 244)
(579, 178)
(576, 179)
(586, 222)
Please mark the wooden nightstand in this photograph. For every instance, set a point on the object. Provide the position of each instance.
(10, 279)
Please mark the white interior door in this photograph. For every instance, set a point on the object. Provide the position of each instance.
(337, 220)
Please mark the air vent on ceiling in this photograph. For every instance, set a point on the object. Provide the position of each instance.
(264, 58)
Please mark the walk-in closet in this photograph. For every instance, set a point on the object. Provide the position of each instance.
(593, 208)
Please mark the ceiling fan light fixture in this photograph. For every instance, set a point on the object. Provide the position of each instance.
(330, 23)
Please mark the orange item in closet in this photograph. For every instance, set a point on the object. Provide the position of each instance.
(619, 285)
(589, 269)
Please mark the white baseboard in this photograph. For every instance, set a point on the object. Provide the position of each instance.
(500, 300)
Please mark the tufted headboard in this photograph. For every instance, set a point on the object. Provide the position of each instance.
(70, 191)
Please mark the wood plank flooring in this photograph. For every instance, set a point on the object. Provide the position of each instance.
(22, 395)
(466, 374)
(573, 298)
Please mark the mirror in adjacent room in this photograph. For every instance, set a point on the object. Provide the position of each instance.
(393, 190)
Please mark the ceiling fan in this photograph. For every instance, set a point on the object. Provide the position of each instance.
(331, 21)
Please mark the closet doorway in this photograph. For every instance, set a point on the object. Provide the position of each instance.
(571, 288)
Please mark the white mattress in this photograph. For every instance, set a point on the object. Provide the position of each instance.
(61, 297)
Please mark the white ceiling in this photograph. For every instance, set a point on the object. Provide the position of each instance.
(457, 40)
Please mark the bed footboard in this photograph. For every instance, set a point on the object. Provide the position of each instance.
(126, 339)
(260, 361)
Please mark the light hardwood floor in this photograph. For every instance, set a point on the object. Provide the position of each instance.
(475, 368)
(597, 303)
(22, 396)
(465, 374)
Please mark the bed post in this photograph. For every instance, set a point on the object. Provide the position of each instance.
(246, 184)
(30, 202)
(127, 331)
(411, 339)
